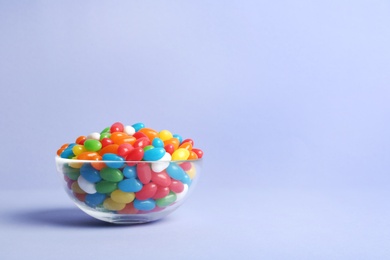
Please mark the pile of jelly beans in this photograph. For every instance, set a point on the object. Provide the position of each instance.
(129, 169)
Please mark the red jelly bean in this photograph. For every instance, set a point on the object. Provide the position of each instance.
(188, 140)
(198, 152)
(106, 141)
(124, 149)
(161, 192)
(141, 142)
(161, 178)
(169, 148)
(176, 186)
(144, 173)
(147, 191)
(117, 127)
(139, 135)
(128, 209)
(135, 155)
(186, 166)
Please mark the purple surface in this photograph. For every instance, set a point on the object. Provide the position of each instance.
(289, 101)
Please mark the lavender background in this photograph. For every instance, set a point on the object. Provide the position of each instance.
(288, 99)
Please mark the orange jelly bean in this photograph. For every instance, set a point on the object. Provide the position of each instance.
(149, 132)
(186, 145)
(111, 148)
(174, 141)
(192, 156)
(88, 156)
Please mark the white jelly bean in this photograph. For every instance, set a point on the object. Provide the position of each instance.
(86, 186)
(94, 135)
(162, 164)
(129, 130)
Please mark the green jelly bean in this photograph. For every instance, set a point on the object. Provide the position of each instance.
(105, 135)
(105, 186)
(92, 145)
(105, 130)
(167, 200)
(111, 174)
(148, 147)
(72, 173)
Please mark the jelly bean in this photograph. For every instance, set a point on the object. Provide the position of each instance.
(186, 145)
(192, 156)
(105, 130)
(161, 192)
(90, 173)
(111, 148)
(86, 186)
(147, 191)
(198, 152)
(167, 200)
(161, 164)
(98, 164)
(129, 209)
(110, 204)
(182, 195)
(81, 139)
(117, 127)
(144, 173)
(134, 155)
(180, 154)
(124, 149)
(188, 140)
(174, 141)
(111, 174)
(130, 185)
(88, 156)
(139, 135)
(130, 172)
(149, 132)
(78, 149)
(138, 126)
(161, 178)
(185, 165)
(148, 147)
(125, 139)
(186, 180)
(165, 135)
(106, 186)
(122, 197)
(146, 205)
(178, 137)
(76, 188)
(129, 130)
(141, 142)
(113, 161)
(80, 196)
(71, 173)
(154, 154)
(169, 148)
(59, 151)
(75, 164)
(94, 135)
(117, 136)
(104, 135)
(157, 142)
(67, 153)
(92, 145)
(69, 183)
(176, 186)
(175, 172)
(95, 199)
(106, 141)
(191, 173)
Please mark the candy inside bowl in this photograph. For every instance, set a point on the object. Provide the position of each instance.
(129, 174)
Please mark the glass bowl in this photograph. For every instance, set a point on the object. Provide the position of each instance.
(128, 192)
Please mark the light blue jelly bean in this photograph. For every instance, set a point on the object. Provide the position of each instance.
(95, 199)
(186, 180)
(157, 142)
(148, 204)
(154, 154)
(130, 172)
(67, 153)
(89, 173)
(130, 185)
(178, 137)
(115, 160)
(138, 126)
(176, 172)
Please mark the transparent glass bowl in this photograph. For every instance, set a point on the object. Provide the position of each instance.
(128, 192)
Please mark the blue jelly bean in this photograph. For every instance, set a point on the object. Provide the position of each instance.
(67, 153)
(138, 126)
(130, 172)
(113, 160)
(178, 137)
(89, 173)
(130, 185)
(186, 180)
(154, 154)
(175, 172)
(95, 199)
(148, 204)
(157, 142)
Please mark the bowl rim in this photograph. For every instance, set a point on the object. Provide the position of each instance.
(66, 160)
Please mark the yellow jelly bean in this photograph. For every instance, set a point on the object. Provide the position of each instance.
(113, 205)
(122, 197)
(78, 149)
(165, 135)
(191, 172)
(180, 154)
